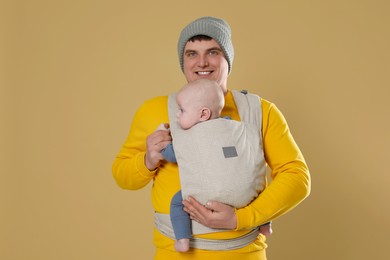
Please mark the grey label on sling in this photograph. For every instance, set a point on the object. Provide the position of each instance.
(229, 151)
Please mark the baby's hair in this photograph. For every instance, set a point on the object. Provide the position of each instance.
(207, 93)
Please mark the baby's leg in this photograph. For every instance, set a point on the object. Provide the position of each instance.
(181, 224)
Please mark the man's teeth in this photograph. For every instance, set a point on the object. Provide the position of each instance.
(204, 72)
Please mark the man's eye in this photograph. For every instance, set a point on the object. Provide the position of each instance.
(214, 52)
(191, 54)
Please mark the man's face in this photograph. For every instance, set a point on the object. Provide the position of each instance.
(205, 59)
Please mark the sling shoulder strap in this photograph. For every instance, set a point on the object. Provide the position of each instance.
(249, 107)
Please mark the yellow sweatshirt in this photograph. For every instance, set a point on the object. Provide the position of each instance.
(289, 186)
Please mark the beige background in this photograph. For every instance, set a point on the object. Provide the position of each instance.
(74, 72)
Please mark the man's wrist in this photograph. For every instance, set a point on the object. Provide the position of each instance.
(143, 167)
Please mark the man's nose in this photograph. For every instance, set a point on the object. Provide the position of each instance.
(203, 61)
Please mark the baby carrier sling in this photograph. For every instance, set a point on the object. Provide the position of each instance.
(219, 160)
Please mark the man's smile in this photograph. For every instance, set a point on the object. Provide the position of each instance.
(204, 73)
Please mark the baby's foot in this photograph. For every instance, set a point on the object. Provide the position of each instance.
(182, 245)
(266, 229)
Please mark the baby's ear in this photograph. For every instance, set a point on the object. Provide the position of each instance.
(205, 114)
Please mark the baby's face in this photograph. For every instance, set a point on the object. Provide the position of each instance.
(187, 114)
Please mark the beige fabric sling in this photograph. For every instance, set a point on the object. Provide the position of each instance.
(220, 160)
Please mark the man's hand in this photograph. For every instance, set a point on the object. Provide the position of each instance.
(213, 215)
(156, 142)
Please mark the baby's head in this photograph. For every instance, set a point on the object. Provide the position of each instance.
(199, 101)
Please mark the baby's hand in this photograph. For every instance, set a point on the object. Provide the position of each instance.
(155, 143)
(163, 126)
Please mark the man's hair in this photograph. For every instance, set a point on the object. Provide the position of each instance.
(200, 38)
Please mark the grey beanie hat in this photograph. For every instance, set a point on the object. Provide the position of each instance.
(216, 28)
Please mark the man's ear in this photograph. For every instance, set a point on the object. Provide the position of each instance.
(205, 114)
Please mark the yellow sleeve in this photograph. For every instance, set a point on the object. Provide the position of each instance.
(129, 169)
(290, 175)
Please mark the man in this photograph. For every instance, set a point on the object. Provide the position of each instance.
(206, 51)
